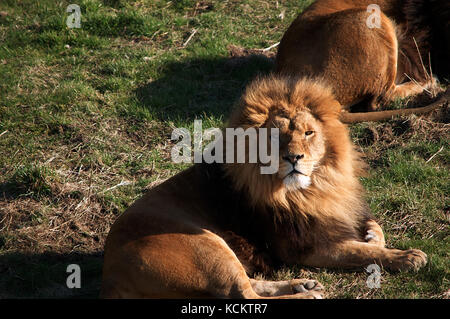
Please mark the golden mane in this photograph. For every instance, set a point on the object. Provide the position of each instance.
(335, 187)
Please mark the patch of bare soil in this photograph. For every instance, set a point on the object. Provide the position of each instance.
(240, 56)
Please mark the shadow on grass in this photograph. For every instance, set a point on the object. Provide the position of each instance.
(44, 275)
(205, 88)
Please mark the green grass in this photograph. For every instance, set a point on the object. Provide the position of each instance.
(84, 110)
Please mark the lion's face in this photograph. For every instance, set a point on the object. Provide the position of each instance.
(302, 146)
(316, 155)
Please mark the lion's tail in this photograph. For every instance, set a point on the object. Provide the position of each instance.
(383, 115)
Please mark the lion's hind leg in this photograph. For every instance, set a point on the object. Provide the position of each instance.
(229, 274)
(407, 89)
(266, 288)
(190, 263)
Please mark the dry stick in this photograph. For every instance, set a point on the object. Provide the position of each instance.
(194, 31)
(348, 118)
(122, 183)
(440, 150)
(4, 132)
(50, 160)
(271, 47)
(434, 89)
(429, 64)
(427, 76)
(90, 186)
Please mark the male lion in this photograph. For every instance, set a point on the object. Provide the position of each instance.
(200, 233)
(370, 51)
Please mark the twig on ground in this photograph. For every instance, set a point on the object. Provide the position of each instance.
(50, 160)
(429, 65)
(440, 150)
(122, 183)
(194, 31)
(271, 47)
(427, 76)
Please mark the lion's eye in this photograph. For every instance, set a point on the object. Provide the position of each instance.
(308, 133)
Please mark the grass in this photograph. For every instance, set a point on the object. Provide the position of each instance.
(84, 110)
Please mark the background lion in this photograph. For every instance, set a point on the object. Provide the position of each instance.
(204, 231)
(366, 66)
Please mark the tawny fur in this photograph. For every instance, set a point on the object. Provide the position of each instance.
(366, 67)
(335, 194)
(205, 230)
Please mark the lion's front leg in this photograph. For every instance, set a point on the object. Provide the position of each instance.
(373, 234)
(354, 254)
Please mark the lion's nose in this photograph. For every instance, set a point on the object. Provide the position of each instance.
(293, 158)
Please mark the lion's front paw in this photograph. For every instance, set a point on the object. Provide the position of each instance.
(412, 259)
(306, 288)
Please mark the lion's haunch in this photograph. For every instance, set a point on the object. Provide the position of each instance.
(365, 64)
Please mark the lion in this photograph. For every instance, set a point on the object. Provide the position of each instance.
(205, 231)
(370, 52)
